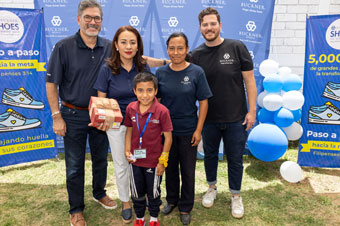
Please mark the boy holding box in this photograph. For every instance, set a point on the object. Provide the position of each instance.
(146, 120)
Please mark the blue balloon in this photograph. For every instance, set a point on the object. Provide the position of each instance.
(283, 117)
(297, 114)
(267, 142)
(291, 82)
(265, 116)
(272, 83)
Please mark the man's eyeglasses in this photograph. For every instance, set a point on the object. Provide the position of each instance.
(96, 19)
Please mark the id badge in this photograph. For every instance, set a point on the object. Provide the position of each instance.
(140, 153)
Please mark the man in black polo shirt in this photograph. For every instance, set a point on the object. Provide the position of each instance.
(228, 68)
(73, 68)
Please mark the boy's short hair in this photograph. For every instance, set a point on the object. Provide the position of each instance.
(145, 77)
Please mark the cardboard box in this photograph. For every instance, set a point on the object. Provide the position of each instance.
(105, 110)
(103, 103)
(112, 117)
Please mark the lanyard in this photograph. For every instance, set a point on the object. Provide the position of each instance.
(141, 133)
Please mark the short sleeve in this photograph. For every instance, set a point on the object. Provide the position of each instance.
(55, 66)
(166, 120)
(127, 120)
(102, 82)
(203, 90)
(245, 58)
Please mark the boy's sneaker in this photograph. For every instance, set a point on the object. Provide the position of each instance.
(20, 98)
(154, 223)
(237, 209)
(209, 197)
(139, 223)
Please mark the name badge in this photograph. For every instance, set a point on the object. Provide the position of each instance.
(140, 153)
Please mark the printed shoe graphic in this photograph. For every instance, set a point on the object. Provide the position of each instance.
(325, 114)
(20, 98)
(332, 91)
(13, 121)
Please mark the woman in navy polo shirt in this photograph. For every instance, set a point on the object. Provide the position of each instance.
(181, 85)
(115, 80)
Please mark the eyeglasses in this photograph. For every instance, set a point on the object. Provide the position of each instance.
(96, 19)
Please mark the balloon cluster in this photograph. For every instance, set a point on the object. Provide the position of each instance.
(280, 103)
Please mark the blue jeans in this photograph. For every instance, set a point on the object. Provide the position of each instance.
(234, 138)
(77, 130)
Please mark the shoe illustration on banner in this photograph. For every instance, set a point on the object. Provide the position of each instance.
(325, 114)
(332, 91)
(13, 121)
(20, 98)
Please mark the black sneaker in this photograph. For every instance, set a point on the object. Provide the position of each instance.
(185, 218)
(127, 215)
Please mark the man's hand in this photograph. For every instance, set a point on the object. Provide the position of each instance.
(196, 138)
(160, 169)
(59, 125)
(249, 120)
(129, 156)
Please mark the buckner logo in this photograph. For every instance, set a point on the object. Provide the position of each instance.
(56, 21)
(186, 80)
(173, 22)
(226, 59)
(251, 26)
(11, 27)
(134, 21)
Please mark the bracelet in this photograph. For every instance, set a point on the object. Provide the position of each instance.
(55, 113)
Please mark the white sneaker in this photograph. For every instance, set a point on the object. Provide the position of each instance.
(209, 197)
(237, 209)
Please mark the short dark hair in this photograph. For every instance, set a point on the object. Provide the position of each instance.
(145, 77)
(208, 11)
(175, 35)
(88, 4)
(180, 34)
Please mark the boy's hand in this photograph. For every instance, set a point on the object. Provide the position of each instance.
(129, 156)
(160, 169)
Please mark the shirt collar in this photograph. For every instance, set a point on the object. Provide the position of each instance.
(151, 109)
(81, 43)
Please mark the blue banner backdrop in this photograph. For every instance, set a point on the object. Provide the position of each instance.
(320, 142)
(25, 118)
(247, 20)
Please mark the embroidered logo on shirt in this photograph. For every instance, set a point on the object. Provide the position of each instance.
(133, 118)
(155, 121)
(226, 59)
(186, 80)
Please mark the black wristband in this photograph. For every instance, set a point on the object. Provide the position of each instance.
(164, 62)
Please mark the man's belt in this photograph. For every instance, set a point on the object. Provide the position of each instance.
(73, 106)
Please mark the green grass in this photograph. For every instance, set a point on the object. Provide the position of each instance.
(35, 194)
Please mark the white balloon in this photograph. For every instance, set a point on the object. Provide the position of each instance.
(268, 67)
(283, 71)
(260, 98)
(293, 100)
(291, 171)
(294, 131)
(272, 102)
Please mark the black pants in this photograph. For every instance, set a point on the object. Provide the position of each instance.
(145, 182)
(182, 157)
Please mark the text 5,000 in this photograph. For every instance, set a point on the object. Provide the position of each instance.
(323, 58)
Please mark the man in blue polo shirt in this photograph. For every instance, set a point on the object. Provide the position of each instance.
(72, 70)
